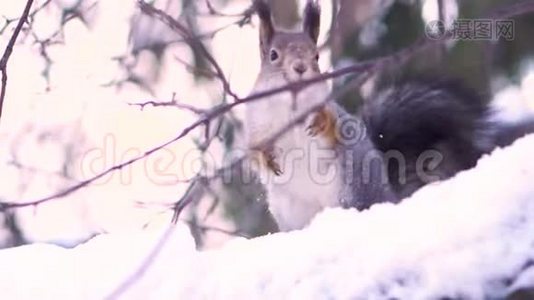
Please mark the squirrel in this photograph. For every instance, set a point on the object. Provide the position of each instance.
(405, 136)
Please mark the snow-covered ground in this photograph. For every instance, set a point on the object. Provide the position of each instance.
(470, 237)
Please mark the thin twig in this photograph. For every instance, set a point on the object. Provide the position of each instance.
(9, 49)
(172, 103)
(193, 41)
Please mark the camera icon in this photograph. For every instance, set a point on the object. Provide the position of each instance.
(435, 30)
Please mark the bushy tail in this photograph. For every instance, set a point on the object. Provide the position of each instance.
(437, 127)
(506, 134)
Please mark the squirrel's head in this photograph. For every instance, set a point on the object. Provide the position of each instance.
(293, 55)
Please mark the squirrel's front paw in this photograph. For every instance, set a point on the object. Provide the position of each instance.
(320, 122)
(315, 125)
(271, 162)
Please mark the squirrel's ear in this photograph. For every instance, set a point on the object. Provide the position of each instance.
(266, 25)
(312, 19)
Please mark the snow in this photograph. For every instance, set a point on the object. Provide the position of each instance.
(90, 271)
(468, 237)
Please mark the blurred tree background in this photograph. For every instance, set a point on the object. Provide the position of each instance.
(357, 30)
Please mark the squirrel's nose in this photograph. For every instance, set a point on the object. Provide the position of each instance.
(300, 67)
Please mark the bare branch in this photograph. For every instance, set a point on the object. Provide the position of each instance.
(193, 41)
(171, 103)
(38, 9)
(9, 49)
(30, 16)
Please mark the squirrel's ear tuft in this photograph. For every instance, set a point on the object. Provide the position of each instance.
(312, 19)
(266, 25)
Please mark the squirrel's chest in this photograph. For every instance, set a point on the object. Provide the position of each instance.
(310, 177)
(275, 115)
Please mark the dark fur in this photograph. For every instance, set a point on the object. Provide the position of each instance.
(312, 19)
(439, 119)
(267, 29)
(508, 133)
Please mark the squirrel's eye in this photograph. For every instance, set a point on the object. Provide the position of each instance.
(316, 57)
(274, 55)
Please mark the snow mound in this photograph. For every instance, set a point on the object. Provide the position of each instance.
(468, 237)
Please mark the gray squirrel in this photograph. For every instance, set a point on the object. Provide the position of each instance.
(405, 136)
